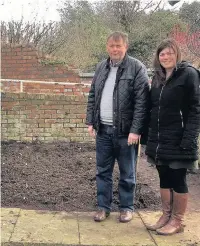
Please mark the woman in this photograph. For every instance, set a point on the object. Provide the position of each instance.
(173, 132)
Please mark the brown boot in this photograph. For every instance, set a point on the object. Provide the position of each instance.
(166, 199)
(175, 223)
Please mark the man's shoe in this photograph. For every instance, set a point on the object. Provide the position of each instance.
(125, 216)
(101, 215)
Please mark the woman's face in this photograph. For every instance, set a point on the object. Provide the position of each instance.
(168, 58)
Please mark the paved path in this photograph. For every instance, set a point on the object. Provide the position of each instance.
(31, 227)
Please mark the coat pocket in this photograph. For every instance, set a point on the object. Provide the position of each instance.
(126, 121)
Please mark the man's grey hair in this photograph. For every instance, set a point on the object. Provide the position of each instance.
(117, 36)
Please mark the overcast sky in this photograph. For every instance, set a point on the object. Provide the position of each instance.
(13, 9)
(46, 9)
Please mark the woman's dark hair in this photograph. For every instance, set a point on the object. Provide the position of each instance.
(159, 71)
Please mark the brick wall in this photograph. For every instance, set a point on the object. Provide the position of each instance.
(29, 117)
(42, 87)
(20, 62)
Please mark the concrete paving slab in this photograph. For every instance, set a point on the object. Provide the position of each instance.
(9, 218)
(46, 227)
(28, 227)
(112, 232)
(190, 237)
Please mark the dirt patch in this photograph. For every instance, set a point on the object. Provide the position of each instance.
(61, 176)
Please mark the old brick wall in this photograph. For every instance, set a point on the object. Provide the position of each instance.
(29, 117)
(42, 87)
(41, 101)
(26, 63)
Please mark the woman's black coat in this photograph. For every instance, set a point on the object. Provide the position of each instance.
(175, 116)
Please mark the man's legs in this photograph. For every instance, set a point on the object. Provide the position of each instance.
(105, 163)
(126, 157)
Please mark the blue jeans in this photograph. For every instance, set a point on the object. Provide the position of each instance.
(109, 148)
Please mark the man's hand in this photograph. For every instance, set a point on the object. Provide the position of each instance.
(133, 138)
(91, 131)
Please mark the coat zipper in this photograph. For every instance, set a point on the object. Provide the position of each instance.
(159, 122)
(182, 123)
(116, 100)
(159, 109)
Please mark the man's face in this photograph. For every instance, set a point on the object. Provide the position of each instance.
(116, 49)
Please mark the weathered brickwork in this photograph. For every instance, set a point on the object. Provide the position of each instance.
(32, 117)
(26, 63)
(42, 87)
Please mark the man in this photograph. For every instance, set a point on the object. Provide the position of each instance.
(116, 111)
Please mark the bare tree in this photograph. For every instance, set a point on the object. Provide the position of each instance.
(125, 13)
(21, 32)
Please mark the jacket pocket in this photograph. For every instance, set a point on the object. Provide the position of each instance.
(126, 81)
(126, 121)
(126, 77)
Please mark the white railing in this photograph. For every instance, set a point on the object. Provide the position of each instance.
(44, 82)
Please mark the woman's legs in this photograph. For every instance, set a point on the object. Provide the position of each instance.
(180, 198)
(166, 198)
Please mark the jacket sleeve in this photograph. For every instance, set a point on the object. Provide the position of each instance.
(141, 100)
(91, 99)
(192, 126)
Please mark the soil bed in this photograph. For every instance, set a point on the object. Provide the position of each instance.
(61, 176)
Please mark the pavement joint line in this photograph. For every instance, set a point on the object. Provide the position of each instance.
(14, 225)
(79, 234)
(147, 230)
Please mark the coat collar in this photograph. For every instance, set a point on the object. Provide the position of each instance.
(122, 64)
